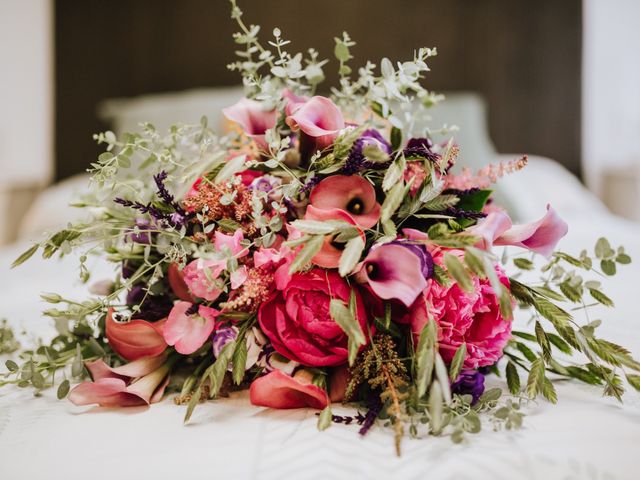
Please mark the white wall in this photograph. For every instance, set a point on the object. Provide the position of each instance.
(26, 91)
(611, 87)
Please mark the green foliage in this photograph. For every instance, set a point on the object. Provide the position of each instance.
(346, 317)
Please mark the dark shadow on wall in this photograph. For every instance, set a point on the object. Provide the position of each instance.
(524, 57)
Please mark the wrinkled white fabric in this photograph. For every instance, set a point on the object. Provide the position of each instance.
(585, 436)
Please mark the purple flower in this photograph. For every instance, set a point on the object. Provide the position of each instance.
(254, 339)
(469, 382)
(356, 160)
(396, 270)
(420, 147)
(151, 307)
(420, 251)
(222, 337)
(265, 183)
(143, 236)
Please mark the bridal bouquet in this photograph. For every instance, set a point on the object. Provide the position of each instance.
(327, 250)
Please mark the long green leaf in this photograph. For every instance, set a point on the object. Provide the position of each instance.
(458, 272)
(457, 362)
(392, 201)
(347, 321)
(350, 255)
(304, 256)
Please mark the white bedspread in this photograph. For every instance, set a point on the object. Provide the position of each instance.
(584, 437)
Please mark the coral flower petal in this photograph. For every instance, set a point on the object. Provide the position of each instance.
(353, 194)
(188, 332)
(135, 339)
(279, 390)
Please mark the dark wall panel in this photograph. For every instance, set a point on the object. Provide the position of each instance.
(524, 57)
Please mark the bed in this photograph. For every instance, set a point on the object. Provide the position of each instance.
(585, 436)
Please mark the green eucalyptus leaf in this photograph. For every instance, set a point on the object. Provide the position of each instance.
(351, 255)
(11, 366)
(324, 419)
(63, 389)
(233, 166)
(392, 201)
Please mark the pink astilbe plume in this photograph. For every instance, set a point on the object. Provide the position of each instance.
(485, 176)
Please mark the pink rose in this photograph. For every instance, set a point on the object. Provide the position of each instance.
(298, 323)
(473, 318)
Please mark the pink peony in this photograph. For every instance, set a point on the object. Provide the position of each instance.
(298, 323)
(473, 318)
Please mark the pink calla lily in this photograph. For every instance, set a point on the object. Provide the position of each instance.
(330, 253)
(318, 118)
(352, 194)
(140, 382)
(135, 339)
(279, 390)
(540, 236)
(252, 118)
(393, 271)
(188, 331)
(294, 102)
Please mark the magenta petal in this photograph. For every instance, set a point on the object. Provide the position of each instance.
(293, 101)
(252, 118)
(319, 118)
(541, 236)
(396, 273)
(188, 332)
(494, 225)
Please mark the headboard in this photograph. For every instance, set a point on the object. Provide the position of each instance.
(524, 58)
